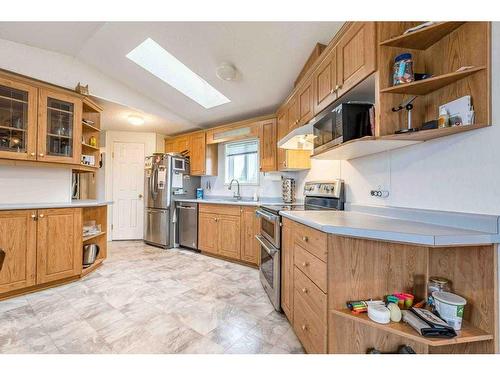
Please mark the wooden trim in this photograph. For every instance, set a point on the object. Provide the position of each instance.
(315, 55)
(253, 123)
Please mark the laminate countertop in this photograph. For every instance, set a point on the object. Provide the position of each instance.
(368, 226)
(241, 202)
(74, 203)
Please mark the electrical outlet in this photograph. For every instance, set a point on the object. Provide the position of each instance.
(379, 193)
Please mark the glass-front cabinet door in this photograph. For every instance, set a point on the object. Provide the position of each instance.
(17, 120)
(59, 127)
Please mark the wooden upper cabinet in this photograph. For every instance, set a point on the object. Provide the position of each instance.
(59, 244)
(17, 250)
(208, 232)
(282, 130)
(169, 145)
(305, 103)
(59, 127)
(356, 55)
(250, 226)
(18, 119)
(197, 155)
(229, 236)
(181, 144)
(268, 145)
(293, 113)
(325, 82)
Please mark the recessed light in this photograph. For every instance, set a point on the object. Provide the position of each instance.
(226, 72)
(135, 120)
(159, 62)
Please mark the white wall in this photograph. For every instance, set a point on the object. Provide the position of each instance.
(456, 173)
(269, 183)
(30, 184)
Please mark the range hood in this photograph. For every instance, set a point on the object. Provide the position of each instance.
(301, 138)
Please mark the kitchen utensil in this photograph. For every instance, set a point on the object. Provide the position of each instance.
(90, 253)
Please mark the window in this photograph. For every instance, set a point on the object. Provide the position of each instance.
(158, 61)
(242, 162)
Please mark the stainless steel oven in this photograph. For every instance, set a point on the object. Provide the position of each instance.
(270, 227)
(269, 271)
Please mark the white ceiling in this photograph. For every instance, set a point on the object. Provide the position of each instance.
(268, 56)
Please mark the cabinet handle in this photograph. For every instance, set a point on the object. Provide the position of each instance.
(305, 239)
(41, 155)
(33, 216)
(332, 91)
(304, 290)
(305, 264)
(41, 215)
(32, 154)
(304, 327)
(2, 258)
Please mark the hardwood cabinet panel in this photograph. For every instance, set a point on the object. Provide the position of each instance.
(169, 145)
(18, 119)
(18, 246)
(229, 236)
(356, 55)
(309, 329)
(208, 232)
(219, 209)
(287, 269)
(250, 227)
(311, 266)
(313, 240)
(59, 244)
(312, 295)
(197, 156)
(268, 145)
(325, 82)
(293, 113)
(282, 130)
(181, 144)
(59, 127)
(305, 103)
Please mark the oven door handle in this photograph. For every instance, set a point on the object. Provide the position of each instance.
(267, 246)
(265, 216)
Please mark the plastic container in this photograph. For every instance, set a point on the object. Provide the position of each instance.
(436, 284)
(450, 307)
(199, 193)
(403, 69)
(379, 313)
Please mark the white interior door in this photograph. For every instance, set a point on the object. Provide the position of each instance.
(128, 191)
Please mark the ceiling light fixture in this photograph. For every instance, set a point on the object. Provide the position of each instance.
(135, 120)
(226, 72)
(159, 62)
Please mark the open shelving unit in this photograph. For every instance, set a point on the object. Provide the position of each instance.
(99, 215)
(440, 50)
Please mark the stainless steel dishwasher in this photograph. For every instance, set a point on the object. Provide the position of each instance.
(188, 224)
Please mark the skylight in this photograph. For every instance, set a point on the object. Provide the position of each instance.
(159, 62)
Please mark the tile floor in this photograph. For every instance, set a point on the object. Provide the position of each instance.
(147, 300)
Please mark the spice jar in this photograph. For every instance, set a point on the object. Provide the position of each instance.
(403, 69)
(436, 284)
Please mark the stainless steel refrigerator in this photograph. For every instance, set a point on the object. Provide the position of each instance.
(166, 180)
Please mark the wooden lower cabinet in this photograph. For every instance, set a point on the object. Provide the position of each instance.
(18, 247)
(311, 332)
(250, 226)
(59, 238)
(287, 269)
(229, 231)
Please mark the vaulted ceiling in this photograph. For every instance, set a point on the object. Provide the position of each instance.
(268, 56)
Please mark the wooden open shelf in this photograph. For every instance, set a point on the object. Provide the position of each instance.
(467, 334)
(423, 38)
(85, 168)
(89, 147)
(427, 135)
(90, 127)
(97, 263)
(87, 238)
(429, 85)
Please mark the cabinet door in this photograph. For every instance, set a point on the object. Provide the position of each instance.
(169, 145)
(59, 244)
(305, 103)
(293, 113)
(17, 250)
(249, 229)
(229, 236)
(282, 131)
(181, 144)
(355, 55)
(17, 120)
(325, 82)
(197, 147)
(208, 230)
(268, 146)
(287, 271)
(59, 127)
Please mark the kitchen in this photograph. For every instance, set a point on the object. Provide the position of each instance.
(324, 224)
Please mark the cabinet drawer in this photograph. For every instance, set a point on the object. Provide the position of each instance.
(311, 294)
(312, 240)
(311, 266)
(309, 329)
(221, 209)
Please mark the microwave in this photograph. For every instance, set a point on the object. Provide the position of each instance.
(342, 123)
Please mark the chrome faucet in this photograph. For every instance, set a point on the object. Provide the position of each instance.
(236, 195)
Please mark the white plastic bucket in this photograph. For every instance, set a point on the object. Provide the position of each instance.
(450, 307)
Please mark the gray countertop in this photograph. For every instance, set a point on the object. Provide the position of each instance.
(241, 202)
(358, 224)
(73, 203)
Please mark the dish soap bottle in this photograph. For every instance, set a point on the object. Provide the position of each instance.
(443, 119)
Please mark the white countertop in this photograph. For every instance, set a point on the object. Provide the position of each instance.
(356, 224)
(74, 203)
(243, 202)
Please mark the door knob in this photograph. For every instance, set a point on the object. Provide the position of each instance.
(41, 155)
(33, 216)
(305, 239)
(305, 264)
(32, 154)
(41, 215)
(304, 327)
(304, 290)
(140, 196)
